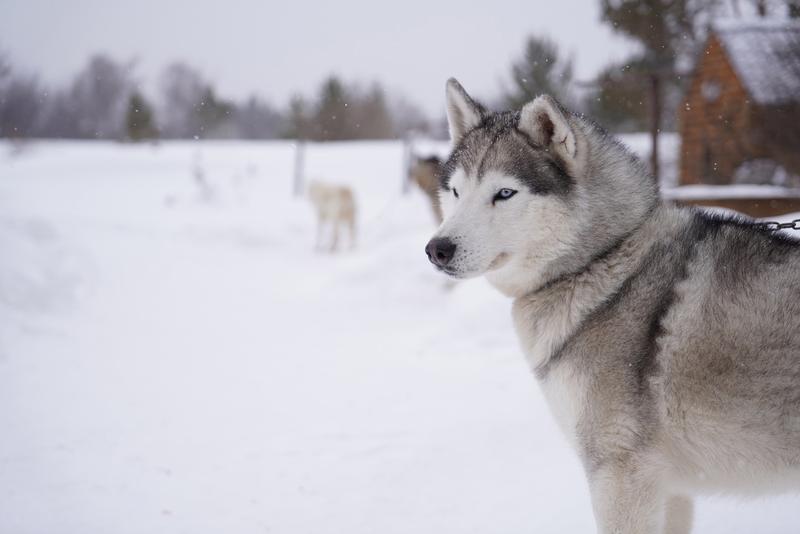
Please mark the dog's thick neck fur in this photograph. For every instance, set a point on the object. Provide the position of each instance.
(546, 316)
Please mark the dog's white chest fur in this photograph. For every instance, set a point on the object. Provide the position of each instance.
(542, 328)
(546, 320)
(565, 395)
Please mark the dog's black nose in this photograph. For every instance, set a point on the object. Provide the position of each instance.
(440, 251)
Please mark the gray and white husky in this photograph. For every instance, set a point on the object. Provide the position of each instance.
(666, 340)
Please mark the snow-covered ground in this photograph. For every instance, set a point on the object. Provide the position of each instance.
(176, 358)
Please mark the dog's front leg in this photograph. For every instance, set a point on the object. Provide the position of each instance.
(626, 500)
(318, 240)
(335, 239)
(352, 227)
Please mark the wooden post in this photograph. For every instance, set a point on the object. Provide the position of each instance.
(299, 164)
(655, 123)
(407, 155)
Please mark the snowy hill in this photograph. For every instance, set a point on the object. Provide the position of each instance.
(174, 357)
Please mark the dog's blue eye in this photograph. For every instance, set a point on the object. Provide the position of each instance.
(455, 192)
(504, 194)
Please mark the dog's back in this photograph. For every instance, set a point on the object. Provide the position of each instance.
(727, 375)
(332, 202)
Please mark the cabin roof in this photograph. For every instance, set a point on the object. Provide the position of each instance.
(766, 57)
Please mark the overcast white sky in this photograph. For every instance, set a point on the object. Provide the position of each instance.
(275, 49)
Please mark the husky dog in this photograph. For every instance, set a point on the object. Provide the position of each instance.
(666, 340)
(335, 207)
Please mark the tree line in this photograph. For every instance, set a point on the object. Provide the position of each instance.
(104, 101)
(639, 93)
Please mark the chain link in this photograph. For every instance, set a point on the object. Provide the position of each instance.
(773, 226)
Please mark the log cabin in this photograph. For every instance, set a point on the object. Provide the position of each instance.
(740, 118)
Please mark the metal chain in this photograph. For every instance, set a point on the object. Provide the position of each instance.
(772, 226)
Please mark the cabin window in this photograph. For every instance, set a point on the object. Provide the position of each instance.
(711, 89)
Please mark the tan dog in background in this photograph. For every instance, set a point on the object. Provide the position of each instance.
(335, 206)
(425, 173)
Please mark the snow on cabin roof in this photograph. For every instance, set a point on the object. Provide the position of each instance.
(766, 57)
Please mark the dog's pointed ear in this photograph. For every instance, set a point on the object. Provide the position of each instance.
(463, 113)
(545, 122)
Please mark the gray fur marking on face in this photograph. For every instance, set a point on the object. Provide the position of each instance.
(497, 144)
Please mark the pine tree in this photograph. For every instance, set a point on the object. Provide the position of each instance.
(373, 120)
(540, 70)
(667, 30)
(297, 119)
(619, 100)
(332, 118)
(100, 95)
(139, 119)
(211, 114)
